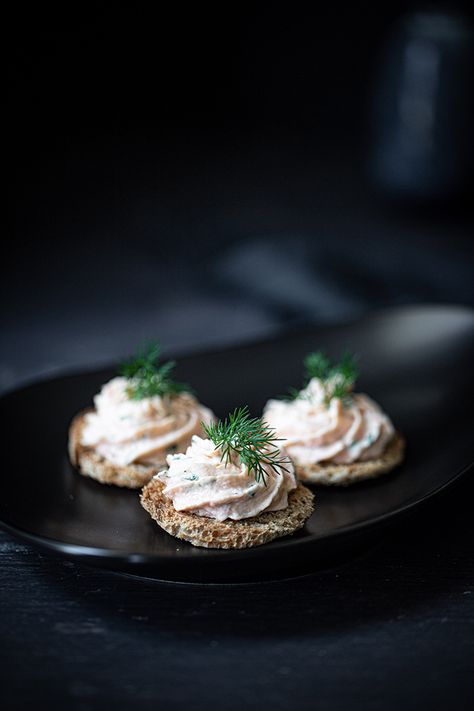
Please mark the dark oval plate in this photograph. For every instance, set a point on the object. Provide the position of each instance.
(415, 361)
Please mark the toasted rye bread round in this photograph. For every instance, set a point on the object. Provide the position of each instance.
(89, 463)
(209, 533)
(345, 474)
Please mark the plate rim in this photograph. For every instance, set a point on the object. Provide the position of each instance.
(184, 353)
(91, 552)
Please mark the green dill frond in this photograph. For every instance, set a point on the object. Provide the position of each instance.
(317, 365)
(338, 378)
(249, 438)
(347, 368)
(147, 378)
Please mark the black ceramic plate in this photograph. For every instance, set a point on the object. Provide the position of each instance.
(416, 362)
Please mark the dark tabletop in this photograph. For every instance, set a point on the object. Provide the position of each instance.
(392, 628)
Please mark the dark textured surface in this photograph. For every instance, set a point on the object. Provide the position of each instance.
(392, 629)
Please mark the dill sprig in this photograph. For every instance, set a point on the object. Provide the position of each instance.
(249, 438)
(147, 378)
(337, 378)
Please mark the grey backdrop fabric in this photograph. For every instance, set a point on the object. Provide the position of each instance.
(206, 249)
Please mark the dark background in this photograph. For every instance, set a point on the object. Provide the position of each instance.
(207, 176)
(204, 176)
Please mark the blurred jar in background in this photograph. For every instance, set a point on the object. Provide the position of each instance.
(422, 130)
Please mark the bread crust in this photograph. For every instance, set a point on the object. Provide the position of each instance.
(345, 474)
(209, 533)
(89, 463)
